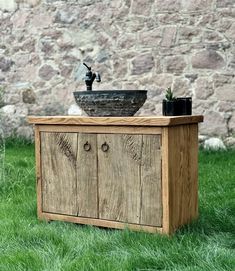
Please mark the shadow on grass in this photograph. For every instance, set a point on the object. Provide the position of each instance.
(17, 142)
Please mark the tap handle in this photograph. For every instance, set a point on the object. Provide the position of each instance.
(89, 68)
(98, 78)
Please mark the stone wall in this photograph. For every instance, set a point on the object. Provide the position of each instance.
(152, 44)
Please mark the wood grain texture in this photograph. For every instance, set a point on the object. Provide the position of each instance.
(38, 171)
(151, 191)
(165, 181)
(87, 178)
(58, 166)
(192, 186)
(100, 222)
(182, 156)
(100, 129)
(129, 184)
(130, 121)
(119, 177)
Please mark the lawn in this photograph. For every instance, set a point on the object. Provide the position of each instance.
(29, 244)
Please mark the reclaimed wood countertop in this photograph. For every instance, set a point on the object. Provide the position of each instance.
(116, 121)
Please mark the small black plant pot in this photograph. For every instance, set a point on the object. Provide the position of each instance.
(177, 107)
(169, 108)
(184, 105)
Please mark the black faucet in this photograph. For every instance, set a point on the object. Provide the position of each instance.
(90, 77)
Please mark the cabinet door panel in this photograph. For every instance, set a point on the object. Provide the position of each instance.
(58, 152)
(151, 191)
(87, 175)
(119, 177)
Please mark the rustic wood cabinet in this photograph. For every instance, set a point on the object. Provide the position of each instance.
(139, 172)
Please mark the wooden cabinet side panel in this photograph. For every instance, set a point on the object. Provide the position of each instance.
(58, 168)
(183, 177)
(151, 191)
(193, 171)
(87, 196)
(38, 171)
(119, 177)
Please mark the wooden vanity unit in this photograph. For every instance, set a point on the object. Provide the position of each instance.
(117, 172)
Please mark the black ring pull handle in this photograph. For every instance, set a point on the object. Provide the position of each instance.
(105, 147)
(87, 146)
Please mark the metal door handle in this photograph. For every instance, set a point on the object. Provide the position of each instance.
(104, 147)
(87, 146)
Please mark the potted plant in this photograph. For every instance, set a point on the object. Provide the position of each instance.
(169, 104)
(172, 106)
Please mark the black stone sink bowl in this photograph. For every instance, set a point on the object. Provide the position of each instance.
(110, 103)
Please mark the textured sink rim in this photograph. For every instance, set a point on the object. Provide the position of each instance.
(98, 92)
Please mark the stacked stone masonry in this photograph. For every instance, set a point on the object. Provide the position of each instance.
(134, 44)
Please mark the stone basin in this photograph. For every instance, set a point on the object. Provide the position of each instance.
(110, 103)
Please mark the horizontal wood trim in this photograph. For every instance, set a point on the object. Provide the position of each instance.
(116, 121)
(100, 129)
(99, 222)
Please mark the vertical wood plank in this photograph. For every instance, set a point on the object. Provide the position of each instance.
(193, 171)
(183, 179)
(165, 182)
(87, 175)
(38, 170)
(119, 177)
(151, 194)
(59, 187)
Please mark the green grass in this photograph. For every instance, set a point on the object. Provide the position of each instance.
(28, 244)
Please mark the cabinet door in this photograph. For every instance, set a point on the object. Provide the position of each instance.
(58, 169)
(69, 174)
(151, 180)
(129, 172)
(87, 175)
